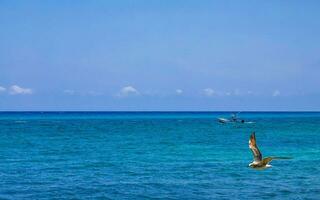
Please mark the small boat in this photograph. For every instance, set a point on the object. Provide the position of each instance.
(232, 119)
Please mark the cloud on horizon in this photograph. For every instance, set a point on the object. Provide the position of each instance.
(69, 92)
(2, 89)
(17, 90)
(128, 91)
(209, 92)
(179, 91)
(276, 93)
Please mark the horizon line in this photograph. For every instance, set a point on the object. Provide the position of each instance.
(149, 111)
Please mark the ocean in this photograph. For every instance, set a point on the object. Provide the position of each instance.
(157, 155)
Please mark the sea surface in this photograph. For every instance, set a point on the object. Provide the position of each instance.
(156, 155)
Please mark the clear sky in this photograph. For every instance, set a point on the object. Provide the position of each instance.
(160, 55)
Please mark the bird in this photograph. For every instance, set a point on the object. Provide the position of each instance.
(258, 162)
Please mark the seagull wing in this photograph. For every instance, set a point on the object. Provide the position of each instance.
(257, 156)
(266, 160)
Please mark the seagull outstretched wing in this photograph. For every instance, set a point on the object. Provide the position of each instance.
(266, 160)
(257, 156)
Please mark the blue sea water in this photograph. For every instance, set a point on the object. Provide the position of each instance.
(161, 155)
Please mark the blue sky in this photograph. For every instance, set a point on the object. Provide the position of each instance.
(159, 55)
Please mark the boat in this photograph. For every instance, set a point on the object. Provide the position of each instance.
(233, 119)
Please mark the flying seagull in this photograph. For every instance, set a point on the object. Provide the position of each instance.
(258, 162)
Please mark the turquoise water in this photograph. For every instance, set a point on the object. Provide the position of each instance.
(156, 156)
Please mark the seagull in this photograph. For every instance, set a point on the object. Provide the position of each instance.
(258, 162)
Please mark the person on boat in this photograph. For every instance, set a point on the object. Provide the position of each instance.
(233, 117)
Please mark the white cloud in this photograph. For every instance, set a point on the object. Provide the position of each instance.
(179, 91)
(69, 92)
(209, 92)
(127, 91)
(2, 89)
(15, 90)
(276, 93)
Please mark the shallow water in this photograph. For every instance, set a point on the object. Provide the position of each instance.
(156, 155)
